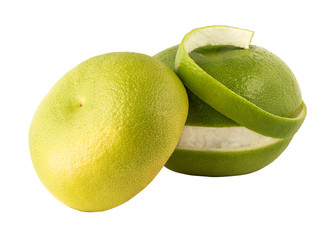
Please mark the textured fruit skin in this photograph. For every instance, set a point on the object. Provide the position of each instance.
(218, 163)
(223, 163)
(106, 129)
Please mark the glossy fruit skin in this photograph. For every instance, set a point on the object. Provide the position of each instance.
(223, 163)
(106, 129)
(254, 74)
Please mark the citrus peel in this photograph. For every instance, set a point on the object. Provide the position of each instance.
(222, 98)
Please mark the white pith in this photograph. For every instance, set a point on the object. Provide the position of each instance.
(222, 139)
(218, 35)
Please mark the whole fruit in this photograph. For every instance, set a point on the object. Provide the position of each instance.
(106, 129)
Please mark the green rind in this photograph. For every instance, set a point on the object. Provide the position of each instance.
(229, 103)
(200, 114)
(225, 163)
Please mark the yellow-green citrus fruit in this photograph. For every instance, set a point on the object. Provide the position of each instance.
(106, 129)
(214, 145)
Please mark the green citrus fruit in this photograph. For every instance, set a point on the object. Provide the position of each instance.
(215, 145)
(106, 129)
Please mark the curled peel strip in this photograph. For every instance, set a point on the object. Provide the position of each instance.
(218, 95)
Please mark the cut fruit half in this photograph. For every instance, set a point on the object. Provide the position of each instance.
(219, 96)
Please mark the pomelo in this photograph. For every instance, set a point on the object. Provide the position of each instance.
(213, 144)
(106, 129)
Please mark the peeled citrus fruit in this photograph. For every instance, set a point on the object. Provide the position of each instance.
(106, 129)
(244, 103)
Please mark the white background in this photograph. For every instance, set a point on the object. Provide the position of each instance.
(290, 199)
